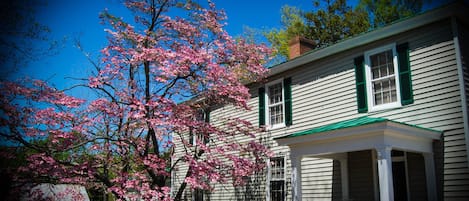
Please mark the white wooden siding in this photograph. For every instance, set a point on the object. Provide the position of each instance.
(323, 92)
(464, 40)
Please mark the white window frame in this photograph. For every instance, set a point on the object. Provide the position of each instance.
(269, 177)
(369, 86)
(198, 136)
(267, 106)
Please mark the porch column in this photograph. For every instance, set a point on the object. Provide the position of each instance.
(268, 179)
(386, 190)
(430, 176)
(296, 177)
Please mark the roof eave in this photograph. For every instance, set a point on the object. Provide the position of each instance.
(386, 127)
(456, 9)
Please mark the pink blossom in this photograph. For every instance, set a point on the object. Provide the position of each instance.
(150, 85)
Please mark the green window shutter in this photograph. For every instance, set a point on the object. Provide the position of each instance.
(207, 116)
(360, 82)
(407, 96)
(288, 101)
(191, 136)
(261, 106)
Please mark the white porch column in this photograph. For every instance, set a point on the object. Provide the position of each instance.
(267, 181)
(430, 176)
(296, 177)
(386, 190)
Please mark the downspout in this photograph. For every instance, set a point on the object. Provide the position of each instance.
(462, 88)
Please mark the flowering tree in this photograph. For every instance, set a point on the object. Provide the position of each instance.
(154, 78)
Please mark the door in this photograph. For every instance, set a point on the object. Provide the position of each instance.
(399, 175)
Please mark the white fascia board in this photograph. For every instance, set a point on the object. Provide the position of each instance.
(383, 128)
(332, 135)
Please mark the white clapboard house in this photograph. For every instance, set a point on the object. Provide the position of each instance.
(380, 116)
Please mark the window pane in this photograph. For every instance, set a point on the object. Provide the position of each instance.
(384, 91)
(277, 168)
(375, 71)
(394, 95)
(277, 191)
(277, 183)
(390, 68)
(374, 62)
(377, 87)
(382, 57)
(378, 98)
(385, 85)
(275, 93)
(386, 97)
(381, 64)
(383, 78)
(276, 114)
(384, 70)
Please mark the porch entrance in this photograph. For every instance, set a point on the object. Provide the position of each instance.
(399, 175)
(400, 153)
(408, 173)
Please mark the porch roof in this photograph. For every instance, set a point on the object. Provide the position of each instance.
(360, 134)
(361, 121)
(335, 141)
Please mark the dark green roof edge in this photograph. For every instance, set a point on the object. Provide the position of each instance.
(456, 8)
(372, 29)
(361, 121)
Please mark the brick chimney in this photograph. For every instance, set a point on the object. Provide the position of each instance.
(299, 45)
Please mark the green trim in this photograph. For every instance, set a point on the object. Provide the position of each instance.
(361, 121)
(405, 78)
(288, 101)
(261, 106)
(360, 83)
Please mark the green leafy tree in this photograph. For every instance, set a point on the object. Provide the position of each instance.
(294, 25)
(333, 20)
(383, 12)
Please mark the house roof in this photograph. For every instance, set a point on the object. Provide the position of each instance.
(457, 9)
(361, 121)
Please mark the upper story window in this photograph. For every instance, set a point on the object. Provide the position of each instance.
(275, 104)
(383, 78)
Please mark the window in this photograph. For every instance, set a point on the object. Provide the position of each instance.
(201, 116)
(381, 69)
(198, 194)
(277, 179)
(275, 105)
(383, 78)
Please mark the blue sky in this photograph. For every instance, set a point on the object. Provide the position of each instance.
(79, 20)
